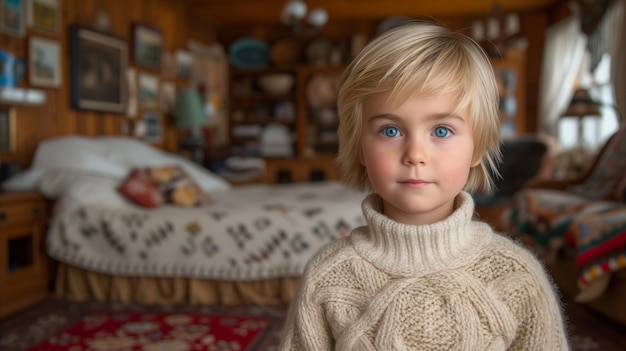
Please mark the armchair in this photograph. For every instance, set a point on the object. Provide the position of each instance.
(542, 211)
(581, 220)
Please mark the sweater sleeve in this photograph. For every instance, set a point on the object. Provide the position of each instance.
(306, 326)
(532, 297)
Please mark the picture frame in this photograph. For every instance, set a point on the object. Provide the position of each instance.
(44, 64)
(98, 64)
(148, 91)
(147, 46)
(7, 129)
(153, 127)
(168, 97)
(44, 15)
(12, 17)
(184, 63)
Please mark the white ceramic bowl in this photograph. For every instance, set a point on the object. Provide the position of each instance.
(276, 83)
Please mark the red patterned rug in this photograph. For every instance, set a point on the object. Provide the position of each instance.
(72, 326)
(158, 331)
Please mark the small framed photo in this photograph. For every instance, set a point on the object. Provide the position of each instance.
(153, 127)
(44, 15)
(98, 64)
(148, 91)
(44, 68)
(184, 63)
(7, 129)
(147, 46)
(12, 17)
(168, 97)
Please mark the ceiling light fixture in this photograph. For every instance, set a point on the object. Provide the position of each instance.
(295, 11)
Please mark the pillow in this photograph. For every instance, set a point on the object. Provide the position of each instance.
(177, 187)
(139, 188)
(112, 156)
(131, 153)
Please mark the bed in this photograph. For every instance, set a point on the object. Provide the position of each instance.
(246, 245)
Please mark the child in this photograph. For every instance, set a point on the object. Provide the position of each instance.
(419, 128)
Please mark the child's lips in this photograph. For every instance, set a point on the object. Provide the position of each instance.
(414, 183)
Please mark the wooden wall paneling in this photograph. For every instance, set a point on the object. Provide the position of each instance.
(56, 117)
(533, 25)
(67, 117)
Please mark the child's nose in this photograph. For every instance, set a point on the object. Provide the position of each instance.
(415, 152)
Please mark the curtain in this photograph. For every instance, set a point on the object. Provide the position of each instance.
(617, 50)
(564, 48)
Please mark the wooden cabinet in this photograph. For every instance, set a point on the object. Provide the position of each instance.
(510, 74)
(317, 110)
(307, 113)
(308, 110)
(252, 109)
(23, 260)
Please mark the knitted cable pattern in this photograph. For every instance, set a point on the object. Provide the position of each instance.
(451, 285)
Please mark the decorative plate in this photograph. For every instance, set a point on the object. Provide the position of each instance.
(249, 53)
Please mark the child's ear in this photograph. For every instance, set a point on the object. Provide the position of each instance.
(476, 162)
(361, 158)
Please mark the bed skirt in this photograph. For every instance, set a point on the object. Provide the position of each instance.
(77, 284)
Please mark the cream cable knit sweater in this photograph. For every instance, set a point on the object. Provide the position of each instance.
(451, 285)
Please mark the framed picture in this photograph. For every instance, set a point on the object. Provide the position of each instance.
(168, 97)
(44, 68)
(153, 127)
(12, 17)
(147, 46)
(7, 129)
(184, 63)
(44, 15)
(98, 70)
(148, 91)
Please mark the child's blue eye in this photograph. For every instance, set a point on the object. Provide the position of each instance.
(442, 132)
(391, 132)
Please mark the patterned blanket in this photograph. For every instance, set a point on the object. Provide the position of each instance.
(600, 242)
(248, 233)
(550, 219)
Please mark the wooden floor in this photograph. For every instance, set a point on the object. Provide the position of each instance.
(591, 331)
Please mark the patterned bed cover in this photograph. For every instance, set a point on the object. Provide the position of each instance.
(249, 233)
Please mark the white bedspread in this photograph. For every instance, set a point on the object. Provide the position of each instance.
(249, 233)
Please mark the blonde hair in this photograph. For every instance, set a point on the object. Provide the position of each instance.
(421, 58)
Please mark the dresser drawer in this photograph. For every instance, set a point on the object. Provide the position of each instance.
(22, 212)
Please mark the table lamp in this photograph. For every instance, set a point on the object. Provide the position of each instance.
(582, 106)
(190, 115)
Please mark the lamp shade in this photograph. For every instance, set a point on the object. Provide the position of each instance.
(582, 105)
(189, 109)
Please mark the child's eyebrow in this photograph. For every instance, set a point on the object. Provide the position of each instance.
(431, 117)
(444, 116)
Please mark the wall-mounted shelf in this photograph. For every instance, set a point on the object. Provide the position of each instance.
(22, 96)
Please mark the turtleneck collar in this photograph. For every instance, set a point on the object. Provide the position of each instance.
(405, 249)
